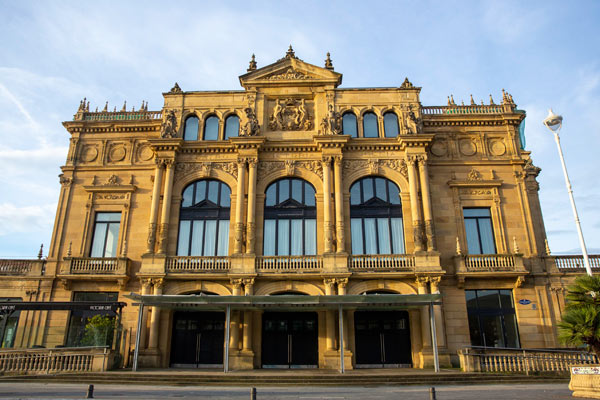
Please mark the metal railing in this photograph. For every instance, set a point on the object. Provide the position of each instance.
(575, 262)
(15, 267)
(490, 262)
(382, 262)
(471, 109)
(289, 263)
(54, 360)
(92, 265)
(197, 264)
(522, 360)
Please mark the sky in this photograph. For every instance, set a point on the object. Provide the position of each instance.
(52, 54)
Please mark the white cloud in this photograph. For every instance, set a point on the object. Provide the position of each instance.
(26, 219)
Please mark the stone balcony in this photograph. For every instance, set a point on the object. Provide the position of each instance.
(285, 264)
(95, 269)
(191, 264)
(575, 263)
(22, 267)
(490, 266)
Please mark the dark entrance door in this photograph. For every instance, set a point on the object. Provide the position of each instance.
(289, 340)
(197, 340)
(382, 339)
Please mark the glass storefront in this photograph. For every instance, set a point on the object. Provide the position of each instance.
(492, 319)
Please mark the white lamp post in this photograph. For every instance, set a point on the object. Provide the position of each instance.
(554, 123)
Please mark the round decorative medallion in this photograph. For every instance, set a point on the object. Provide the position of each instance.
(117, 153)
(497, 148)
(89, 153)
(438, 148)
(467, 147)
(144, 153)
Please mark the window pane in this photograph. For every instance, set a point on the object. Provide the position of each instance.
(472, 236)
(184, 238)
(367, 185)
(271, 194)
(111, 240)
(370, 125)
(284, 190)
(98, 243)
(200, 192)
(232, 126)
(297, 190)
(383, 231)
(488, 299)
(297, 237)
(197, 238)
(487, 236)
(380, 189)
(310, 237)
(355, 194)
(397, 235)
(223, 244)
(390, 124)
(191, 129)
(211, 128)
(283, 237)
(213, 191)
(471, 297)
(357, 236)
(108, 217)
(349, 125)
(394, 193)
(187, 196)
(476, 212)
(476, 339)
(210, 236)
(370, 236)
(309, 195)
(492, 330)
(512, 334)
(225, 196)
(269, 238)
(506, 299)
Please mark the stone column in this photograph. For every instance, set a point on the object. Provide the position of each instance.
(158, 173)
(155, 317)
(239, 206)
(440, 329)
(146, 285)
(329, 321)
(341, 284)
(234, 339)
(339, 205)
(327, 231)
(166, 208)
(425, 330)
(414, 203)
(251, 217)
(248, 317)
(427, 212)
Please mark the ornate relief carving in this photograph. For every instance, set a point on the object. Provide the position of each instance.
(412, 122)
(65, 181)
(289, 74)
(397, 165)
(497, 147)
(290, 115)
(313, 166)
(176, 89)
(474, 175)
(144, 153)
(112, 180)
(467, 147)
(168, 129)
(476, 192)
(109, 196)
(251, 128)
(332, 123)
(265, 167)
(406, 84)
(290, 166)
(183, 169)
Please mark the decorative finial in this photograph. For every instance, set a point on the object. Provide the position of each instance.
(328, 63)
(252, 66)
(516, 246)
(96, 108)
(115, 109)
(449, 103)
(458, 251)
(472, 101)
(105, 109)
(406, 84)
(290, 53)
(142, 106)
(41, 252)
(547, 247)
(87, 107)
(124, 106)
(452, 99)
(69, 249)
(491, 101)
(176, 89)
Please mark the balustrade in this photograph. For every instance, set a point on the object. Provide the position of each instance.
(55, 360)
(490, 262)
(289, 264)
(575, 262)
(382, 262)
(92, 266)
(122, 116)
(197, 264)
(471, 109)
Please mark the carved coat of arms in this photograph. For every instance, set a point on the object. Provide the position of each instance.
(290, 115)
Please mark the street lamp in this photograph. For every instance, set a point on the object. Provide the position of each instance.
(554, 123)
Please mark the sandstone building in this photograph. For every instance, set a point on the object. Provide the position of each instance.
(295, 185)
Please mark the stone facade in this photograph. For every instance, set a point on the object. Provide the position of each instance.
(444, 158)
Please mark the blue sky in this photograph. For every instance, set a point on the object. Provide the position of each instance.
(52, 54)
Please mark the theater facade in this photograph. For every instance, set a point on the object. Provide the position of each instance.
(280, 195)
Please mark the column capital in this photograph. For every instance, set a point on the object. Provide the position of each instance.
(421, 159)
(337, 160)
(342, 282)
(158, 283)
(329, 282)
(252, 161)
(434, 283)
(146, 283)
(237, 283)
(326, 161)
(422, 281)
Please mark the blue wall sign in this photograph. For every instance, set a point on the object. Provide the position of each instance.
(524, 302)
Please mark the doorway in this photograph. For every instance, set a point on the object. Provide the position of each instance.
(197, 340)
(290, 340)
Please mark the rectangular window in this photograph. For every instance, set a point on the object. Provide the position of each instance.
(81, 332)
(480, 234)
(106, 234)
(269, 237)
(8, 325)
(492, 319)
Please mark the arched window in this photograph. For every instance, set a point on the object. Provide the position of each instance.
(376, 217)
(290, 219)
(370, 129)
(211, 128)
(204, 219)
(349, 124)
(390, 124)
(191, 128)
(232, 126)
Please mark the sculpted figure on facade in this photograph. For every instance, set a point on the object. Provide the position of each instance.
(252, 128)
(169, 127)
(413, 124)
(332, 123)
(290, 115)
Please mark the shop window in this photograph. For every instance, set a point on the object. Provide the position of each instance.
(190, 131)
(480, 235)
(211, 128)
(349, 124)
(232, 126)
(370, 128)
(492, 319)
(390, 124)
(82, 330)
(106, 234)
(8, 325)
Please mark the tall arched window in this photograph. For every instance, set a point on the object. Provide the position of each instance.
(211, 128)
(204, 219)
(290, 219)
(390, 124)
(376, 217)
(190, 131)
(349, 124)
(232, 126)
(370, 129)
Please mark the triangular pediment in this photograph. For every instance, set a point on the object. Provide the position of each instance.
(291, 71)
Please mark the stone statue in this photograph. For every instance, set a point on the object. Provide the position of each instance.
(169, 127)
(332, 123)
(290, 115)
(412, 122)
(251, 128)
